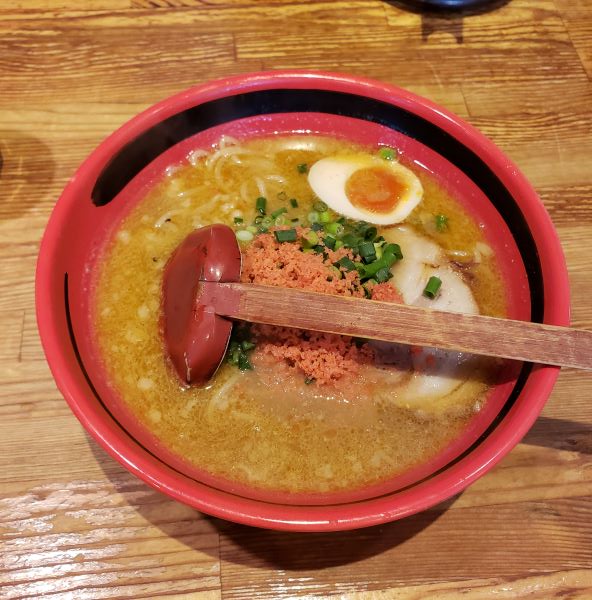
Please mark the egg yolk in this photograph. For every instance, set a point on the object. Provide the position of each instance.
(374, 189)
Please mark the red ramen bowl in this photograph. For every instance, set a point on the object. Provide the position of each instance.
(129, 163)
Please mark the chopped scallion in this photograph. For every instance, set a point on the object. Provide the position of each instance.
(317, 227)
(244, 236)
(238, 220)
(311, 238)
(441, 222)
(393, 249)
(325, 217)
(309, 380)
(233, 355)
(280, 211)
(320, 206)
(336, 273)
(350, 240)
(285, 235)
(346, 263)
(370, 234)
(302, 168)
(313, 217)
(260, 205)
(383, 275)
(293, 203)
(244, 363)
(329, 241)
(387, 153)
(432, 287)
(334, 229)
(366, 249)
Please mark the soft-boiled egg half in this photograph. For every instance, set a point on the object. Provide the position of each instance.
(365, 187)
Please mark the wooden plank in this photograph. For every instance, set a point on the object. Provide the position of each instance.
(56, 447)
(105, 538)
(567, 204)
(215, 15)
(572, 239)
(12, 326)
(577, 16)
(31, 350)
(397, 554)
(79, 66)
(574, 584)
(490, 98)
(30, 5)
(550, 148)
(17, 274)
(28, 391)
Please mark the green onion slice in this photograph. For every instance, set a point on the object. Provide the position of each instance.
(387, 153)
(285, 235)
(280, 211)
(366, 249)
(260, 205)
(329, 241)
(350, 240)
(370, 234)
(383, 275)
(311, 238)
(244, 363)
(334, 229)
(441, 222)
(432, 287)
(346, 263)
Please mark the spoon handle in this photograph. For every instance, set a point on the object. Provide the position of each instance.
(476, 334)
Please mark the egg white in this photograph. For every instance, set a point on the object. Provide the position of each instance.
(328, 177)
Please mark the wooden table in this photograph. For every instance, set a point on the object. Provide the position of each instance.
(75, 524)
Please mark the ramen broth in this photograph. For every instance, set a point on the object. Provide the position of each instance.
(267, 427)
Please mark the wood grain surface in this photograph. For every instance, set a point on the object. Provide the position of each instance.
(76, 525)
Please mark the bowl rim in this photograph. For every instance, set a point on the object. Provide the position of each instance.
(309, 518)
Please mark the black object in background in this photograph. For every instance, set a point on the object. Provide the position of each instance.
(449, 4)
